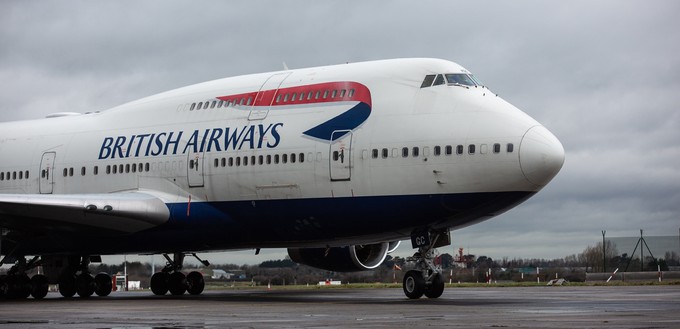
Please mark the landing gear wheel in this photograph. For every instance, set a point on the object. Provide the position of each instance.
(159, 283)
(435, 289)
(414, 284)
(103, 284)
(67, 286)
(195, 283)
(3, 286)
(177, 284)
(39, 286)
(85, 285)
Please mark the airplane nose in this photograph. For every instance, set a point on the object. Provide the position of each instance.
(541, 155)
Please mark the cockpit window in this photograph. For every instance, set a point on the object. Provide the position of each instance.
(439, 80)
(428, 81)
(461, 79)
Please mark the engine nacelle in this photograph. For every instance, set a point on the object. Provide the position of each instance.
(342, 259)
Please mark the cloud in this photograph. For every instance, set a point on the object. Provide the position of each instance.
(602, 76)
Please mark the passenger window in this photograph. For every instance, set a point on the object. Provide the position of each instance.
(199, 106)
(302, 157)
(334, 93)
(278, 98)
(292, 158)
(238, 161)
(437, 150)
(385, 153)
(285, 98)
(293, 97)
(351, 93)
(217, 162)
(510, 147)
(449, 150)
(212, 105)
(146, 166)
(374, 153)
(471, 148)
(416, 152)
(95, 170)
(404, 152)
(220, 104)
(21, 175)
(317, 94)
(108, 169)
(115, 169)
(269, 158)
(284, 158)
(245, 161)
(231, 162)
(459, 149)
(26, 174)
(342, 93)
(276, 158)
(70, 171)
(260, 159)
(193, 105)
(223, 162)
(336, 155)
(250, 100)
(428, 81)
(496, 148)
(325, 94)
(82, 171)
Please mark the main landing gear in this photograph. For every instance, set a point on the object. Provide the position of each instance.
(426, 279)
(171, 279)
(75, 278)
(17, 285)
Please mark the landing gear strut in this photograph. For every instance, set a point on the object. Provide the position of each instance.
(426, 279)
(172, 279)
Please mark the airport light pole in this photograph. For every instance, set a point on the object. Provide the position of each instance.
(604, 252)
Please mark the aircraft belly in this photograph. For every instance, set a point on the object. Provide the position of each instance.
(289, 223)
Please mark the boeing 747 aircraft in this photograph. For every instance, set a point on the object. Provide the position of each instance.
(336, 163)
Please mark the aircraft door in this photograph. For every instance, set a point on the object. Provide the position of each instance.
(47, 172)
(266, 96)
(195, 169)
(340, 155)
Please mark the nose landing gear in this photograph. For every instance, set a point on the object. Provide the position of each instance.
(426, 279)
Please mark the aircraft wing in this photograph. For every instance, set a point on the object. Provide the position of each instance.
(113, 213)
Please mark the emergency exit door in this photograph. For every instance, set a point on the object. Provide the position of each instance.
(340, 157)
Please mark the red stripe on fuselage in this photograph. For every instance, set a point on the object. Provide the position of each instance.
(308, 94)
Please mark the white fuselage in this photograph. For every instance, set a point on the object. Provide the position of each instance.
(230, 156)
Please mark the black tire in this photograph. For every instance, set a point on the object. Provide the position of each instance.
(4, 287)
(435, 289)
(159, 283)
(67, 286)
(85, 285)
(39, 286)
(195, 283)
(414, 284)
(103, 284)
(177, 284)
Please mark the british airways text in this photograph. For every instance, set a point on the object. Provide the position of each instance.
(204, 140)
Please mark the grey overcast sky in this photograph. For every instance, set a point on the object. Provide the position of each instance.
(603, 76)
